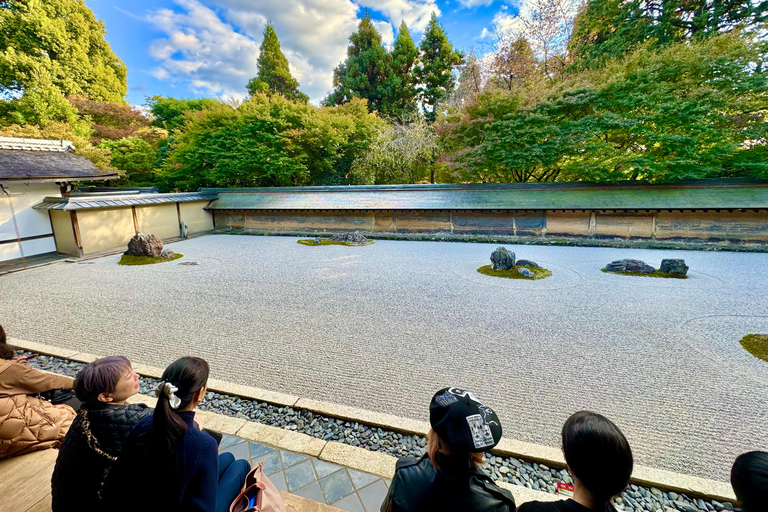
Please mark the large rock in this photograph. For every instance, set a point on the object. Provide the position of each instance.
(502, 259)
(629, 266)
(673, 266)
(353, 238)
(145, 245)
(527, 263)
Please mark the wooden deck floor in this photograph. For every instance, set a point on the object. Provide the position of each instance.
(25, 486)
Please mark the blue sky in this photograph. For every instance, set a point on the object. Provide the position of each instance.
(208, 48)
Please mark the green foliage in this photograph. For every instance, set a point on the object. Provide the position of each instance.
(756, 344)
(325, 241)
(435, 69)
(50, 50)
(366, 72)
(274, 73)
(607, 29)
(655, 273)
(402, 83)
(267, 141)
(405, 153)
(168, 113)
(691, 110)
(136, 157)
(538, 273)
(128, 260)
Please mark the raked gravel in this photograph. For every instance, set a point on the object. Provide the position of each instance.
(382, 327)
(509, 469)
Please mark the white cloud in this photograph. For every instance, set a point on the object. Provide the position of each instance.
(212, 45)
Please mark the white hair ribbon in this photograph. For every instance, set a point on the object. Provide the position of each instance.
(168, 389)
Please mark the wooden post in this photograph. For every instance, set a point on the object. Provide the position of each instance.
(76, 231)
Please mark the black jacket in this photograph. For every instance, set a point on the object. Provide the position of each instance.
(560, 506)
(87, 453)
(417, 487)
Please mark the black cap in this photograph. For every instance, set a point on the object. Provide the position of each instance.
(458, 417)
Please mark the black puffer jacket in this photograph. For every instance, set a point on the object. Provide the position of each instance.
(92, 444)
(417, 487)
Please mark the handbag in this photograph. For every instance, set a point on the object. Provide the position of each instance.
(259, 494)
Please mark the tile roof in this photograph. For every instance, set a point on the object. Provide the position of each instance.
(45, 160)
(700, 194)
(83, 202)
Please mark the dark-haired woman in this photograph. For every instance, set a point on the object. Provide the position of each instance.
(448, 477)
(749, 478)
(600, 460)
(28, 423)
(166, 456)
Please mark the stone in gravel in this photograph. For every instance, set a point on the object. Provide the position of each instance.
(674, 266)
(525, 272)
(317, 240)
(673, 496)
(144, 245)
(502, 259)
(685, 507)
(527, 263)
(700, 503)
(167, 254)
(353, 238)
(629, 265)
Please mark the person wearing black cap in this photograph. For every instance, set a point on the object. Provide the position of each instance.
(600, 460)
(749, 478)
(448, 478)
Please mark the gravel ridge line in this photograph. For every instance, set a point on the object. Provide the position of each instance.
(506, 469)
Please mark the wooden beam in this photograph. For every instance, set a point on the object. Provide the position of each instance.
(76, 231)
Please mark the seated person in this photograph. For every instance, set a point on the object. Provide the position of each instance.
(749, 478)
(28, 423)
(600, 460)
(170, 459)
(448, 477)
(97, 435)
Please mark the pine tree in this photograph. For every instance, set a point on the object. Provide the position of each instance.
(366, 71)
(403, 89)
(274, 75)
(434, 72)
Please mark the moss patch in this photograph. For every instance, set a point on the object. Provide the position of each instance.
(145, 260)
(538, 273)
(756, 344)
(325, 241)
(655, 273)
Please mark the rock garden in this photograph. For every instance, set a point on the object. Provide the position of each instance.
(669, 268)
(503, 264)
(348, 239)
(147, 250)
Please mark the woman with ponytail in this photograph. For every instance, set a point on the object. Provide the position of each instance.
(168, 458)
(600, 460)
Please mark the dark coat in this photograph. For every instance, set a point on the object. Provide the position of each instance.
(184, 479)
(417, 487)
(561, 506)
(92, 444)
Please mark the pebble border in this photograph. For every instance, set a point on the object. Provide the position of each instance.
(507, 469)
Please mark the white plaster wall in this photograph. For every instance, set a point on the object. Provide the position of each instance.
(30, 222)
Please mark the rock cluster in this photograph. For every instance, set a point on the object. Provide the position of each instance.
(502, 259)
(668, 266)
(509, 469)
(352, 238)
(628, 265)
(527, 263)
(145, 245)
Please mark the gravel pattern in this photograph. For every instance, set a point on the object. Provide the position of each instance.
(508, 469)
(382, 327)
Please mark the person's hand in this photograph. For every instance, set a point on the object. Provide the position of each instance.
(21, 359)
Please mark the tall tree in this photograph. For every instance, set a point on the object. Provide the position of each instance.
(62, 41)
(403, 82)
(366, 71)
(435, 69)
(514, 65)
(274, 73)
(606, 29)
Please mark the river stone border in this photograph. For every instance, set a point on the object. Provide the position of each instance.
(508, 469)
